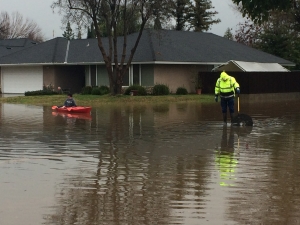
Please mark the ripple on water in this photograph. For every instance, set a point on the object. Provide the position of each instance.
(129, 166)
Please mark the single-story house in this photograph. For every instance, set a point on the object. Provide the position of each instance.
(166, 57)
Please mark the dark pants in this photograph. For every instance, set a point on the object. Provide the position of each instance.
(227, 102)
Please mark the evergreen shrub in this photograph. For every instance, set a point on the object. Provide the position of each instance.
(87, 90)
(40, 92)
(181, 91)
(96, 91)
(104, 90)
(140, 90)
(161, 89)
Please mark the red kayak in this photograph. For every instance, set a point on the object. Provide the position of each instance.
(74, 109)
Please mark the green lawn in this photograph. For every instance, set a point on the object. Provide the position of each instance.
(97, 100)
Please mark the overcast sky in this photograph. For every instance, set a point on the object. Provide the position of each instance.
(40, 12)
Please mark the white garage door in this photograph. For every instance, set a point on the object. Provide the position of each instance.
(17, 80)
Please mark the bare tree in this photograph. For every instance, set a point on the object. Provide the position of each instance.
(114, 13)
(4, 25)
(15, 26)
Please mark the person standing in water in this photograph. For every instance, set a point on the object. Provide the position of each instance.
(226, 87)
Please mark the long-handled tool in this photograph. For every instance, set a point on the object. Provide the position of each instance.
(241, 119)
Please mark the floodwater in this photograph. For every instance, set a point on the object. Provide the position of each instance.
(149, 164)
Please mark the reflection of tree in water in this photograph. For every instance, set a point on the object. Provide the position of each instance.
(121, 192)
(130, 187)
(115, 131)
(134, 182)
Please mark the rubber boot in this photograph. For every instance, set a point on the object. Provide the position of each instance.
(232, 118)
(225, 118)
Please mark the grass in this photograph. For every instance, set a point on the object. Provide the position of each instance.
(97, 100)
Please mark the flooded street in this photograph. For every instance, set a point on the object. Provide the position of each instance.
(150, 164)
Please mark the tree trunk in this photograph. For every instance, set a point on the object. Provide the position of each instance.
(116, 80)
(119, 81)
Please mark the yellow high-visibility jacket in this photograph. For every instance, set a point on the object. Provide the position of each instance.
(226, 85)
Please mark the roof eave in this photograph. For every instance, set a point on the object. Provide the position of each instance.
(146, 62)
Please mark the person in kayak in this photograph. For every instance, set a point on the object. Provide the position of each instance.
(70, 102)
(226, 87)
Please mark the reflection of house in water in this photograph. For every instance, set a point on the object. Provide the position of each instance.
(156, 165)
(22, 122)
(19, 114)
(168, 127)
(150, 160)
(162, 126)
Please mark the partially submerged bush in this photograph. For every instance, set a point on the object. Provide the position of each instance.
(161, 89)
(181, 91)
(87, 90)
(40, 92)
(102, 90)
(95, 91)
(140, 90)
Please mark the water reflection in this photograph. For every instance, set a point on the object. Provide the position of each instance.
(225, 157)
(74, 116)
(149, 164)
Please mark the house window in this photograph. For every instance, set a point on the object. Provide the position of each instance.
(102, 76)
(93, 75)
(90, 76)
(87, 76)
(135, 74)
(126, 78)
(148, 75)
(132, 76)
